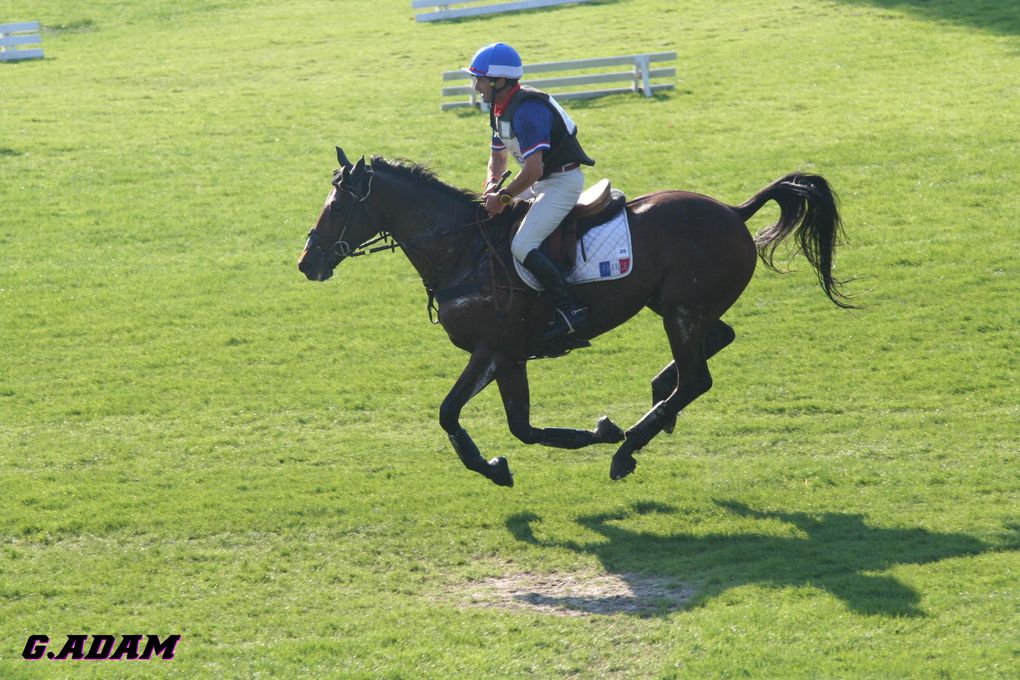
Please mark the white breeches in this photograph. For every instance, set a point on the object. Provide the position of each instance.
(554, 197)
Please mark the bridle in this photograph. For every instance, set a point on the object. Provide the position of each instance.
(341, 249)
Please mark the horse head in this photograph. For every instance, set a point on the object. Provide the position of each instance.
(344, 223)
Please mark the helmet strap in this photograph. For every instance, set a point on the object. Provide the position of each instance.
(497, 92)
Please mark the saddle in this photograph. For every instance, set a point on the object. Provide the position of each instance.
(595, 206)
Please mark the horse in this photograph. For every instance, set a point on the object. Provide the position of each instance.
(693, 256)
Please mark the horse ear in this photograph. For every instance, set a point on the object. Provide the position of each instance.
(342, 158)
(359, 167)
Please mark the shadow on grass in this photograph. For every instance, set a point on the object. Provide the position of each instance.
(995, 16)
(509, 13)
(838, 553)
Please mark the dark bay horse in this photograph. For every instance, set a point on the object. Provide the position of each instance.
(692, 254)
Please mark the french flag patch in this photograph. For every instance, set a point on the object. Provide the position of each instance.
(614, 268)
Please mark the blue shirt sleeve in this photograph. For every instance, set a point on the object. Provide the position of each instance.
(533, 125)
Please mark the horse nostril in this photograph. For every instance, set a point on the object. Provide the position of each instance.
(309, 263)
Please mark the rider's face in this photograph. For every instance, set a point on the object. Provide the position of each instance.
(483, 86)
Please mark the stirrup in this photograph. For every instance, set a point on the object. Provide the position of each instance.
(563, 324)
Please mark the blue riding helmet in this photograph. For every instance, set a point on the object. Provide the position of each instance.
(497, 60)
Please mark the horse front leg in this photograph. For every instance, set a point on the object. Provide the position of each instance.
(480, 371)
(512, 379)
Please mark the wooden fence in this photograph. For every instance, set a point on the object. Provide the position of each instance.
(452, 9)
(639, 78)
(15, 37)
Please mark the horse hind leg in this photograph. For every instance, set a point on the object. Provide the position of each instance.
(719, 335)
(686, 333)
(512, 380)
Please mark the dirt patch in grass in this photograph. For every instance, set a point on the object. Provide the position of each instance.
(568, 594)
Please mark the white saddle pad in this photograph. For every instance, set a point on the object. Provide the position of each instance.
(603, 254)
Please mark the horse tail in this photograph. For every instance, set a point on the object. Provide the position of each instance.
(808, 208)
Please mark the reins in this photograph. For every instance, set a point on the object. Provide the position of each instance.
(365, 249)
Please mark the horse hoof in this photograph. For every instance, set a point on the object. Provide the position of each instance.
(621, 467)
(499, 472)
(608, 432)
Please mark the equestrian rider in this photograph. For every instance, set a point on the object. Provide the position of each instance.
(531, 126)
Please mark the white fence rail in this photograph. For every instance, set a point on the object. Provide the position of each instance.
(639, 78)
(15, 37)
(451, 9)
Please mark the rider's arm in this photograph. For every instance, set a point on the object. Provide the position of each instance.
(533, 123)
(497, 166)
(530, 173)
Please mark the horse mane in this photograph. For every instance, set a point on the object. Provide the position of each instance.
(419, 173)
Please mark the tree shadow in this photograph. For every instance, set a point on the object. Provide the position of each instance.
(994, 16)
(838, 553)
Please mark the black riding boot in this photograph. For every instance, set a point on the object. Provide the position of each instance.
(570, 314)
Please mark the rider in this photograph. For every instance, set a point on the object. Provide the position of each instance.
(531, 126)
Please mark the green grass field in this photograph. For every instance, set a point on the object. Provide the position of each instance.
(195, 440)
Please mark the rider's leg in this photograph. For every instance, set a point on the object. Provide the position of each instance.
(555, 196)
(569, 314)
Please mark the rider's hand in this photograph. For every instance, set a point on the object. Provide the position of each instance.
(491, 204)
